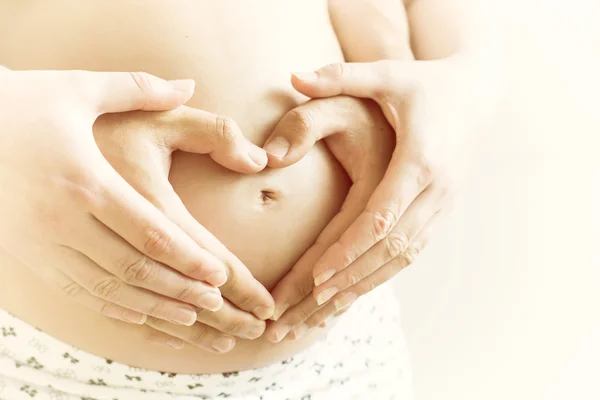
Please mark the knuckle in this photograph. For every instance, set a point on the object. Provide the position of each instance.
(425, 174)
(153, 308)
(84, 186)
(204, 314)
(303, 118)
(235, 327)
(383, 222)
(199, 335)
(245, 301)
(354, 277)
(338, 70)
(156, 242)
(185, 292)
(108, 289)
(71, 289)
(410, 255)
(304, 290)
(395, 244)
(107, 310)
(226, 129)
(154, 322)
(232, 278)
(137, 271)
(372, 285)
(142, 80)
(301, 315)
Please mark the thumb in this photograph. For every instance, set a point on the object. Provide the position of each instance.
(367, 80)
(113, 92)
(299, 129)
(201, 132)
(352, 79)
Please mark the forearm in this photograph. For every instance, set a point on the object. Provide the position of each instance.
(371, 30)
(441, 28)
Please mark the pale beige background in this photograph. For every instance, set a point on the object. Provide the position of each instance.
(505, 304)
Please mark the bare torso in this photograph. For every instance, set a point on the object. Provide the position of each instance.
(240, 54)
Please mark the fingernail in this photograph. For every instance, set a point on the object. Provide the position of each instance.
(217, 278)
(210, 301)
(262, 312)
(254, 332)
(323, 324)
(278, 147)
(182, 85)
(258, 156)
(183, 316)
(306, 76)
(279, 333)
(300, 330)
(324, 276)
(223, 344)
(325, 295)
(344, 300)
(134, 317)
(175, 343)
(279, 311)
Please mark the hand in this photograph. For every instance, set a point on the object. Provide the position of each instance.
(358, 135)
(139, 146)
(434, 108)
(214, 331)
(68, 215)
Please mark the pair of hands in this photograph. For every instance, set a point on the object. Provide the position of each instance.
(386, 220)
(119, 240)
(436, 109)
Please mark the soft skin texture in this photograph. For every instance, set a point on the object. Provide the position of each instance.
(437, 109)
(241, 71)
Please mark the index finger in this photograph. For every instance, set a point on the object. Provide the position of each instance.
(401, 184)
(298, 283)
(123, 210)
(241, 287)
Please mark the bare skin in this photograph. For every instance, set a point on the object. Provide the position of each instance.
(234, 66)
(239, 73)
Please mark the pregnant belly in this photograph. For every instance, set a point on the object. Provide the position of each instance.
(240, 54)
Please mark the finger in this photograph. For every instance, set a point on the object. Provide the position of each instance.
(198, 131)
(127, 213)
(368, 80)
(199, 335)
(332, 309)
(389, 270)
(113, 92)
(403, 181)
(75, 291)
(240, 287)
(293, 317)
(298, 283)
(107, 287)
(160, 338)
(245, 292)
(134, 268)
(232, 321)
(409, 225)
(299, 129)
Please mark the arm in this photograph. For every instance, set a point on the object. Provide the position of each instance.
(435, 105)
(371, 30)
